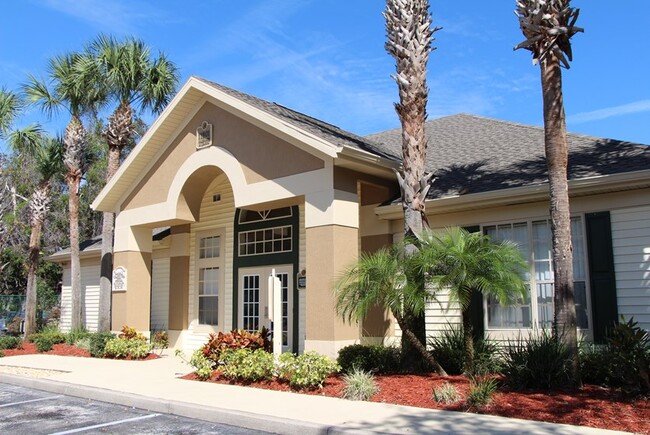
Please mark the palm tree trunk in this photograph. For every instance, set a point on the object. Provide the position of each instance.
(118, 134)
(108, 229)
(415, 342)
(556, 148)
(32, 265)
(74, 160)
(468, 339)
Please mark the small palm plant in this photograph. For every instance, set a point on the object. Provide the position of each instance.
(461, 262)
(381, 279)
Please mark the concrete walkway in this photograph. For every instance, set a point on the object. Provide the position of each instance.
(154, 385)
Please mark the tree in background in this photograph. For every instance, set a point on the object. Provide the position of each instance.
(409, 38)
(68, 88)
(460, 262)
(46, 154)
(548, 26)
(132, 77)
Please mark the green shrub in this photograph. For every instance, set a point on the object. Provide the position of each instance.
(595, 364)
(448, 349)
(9, 342)
(540, 361)
(202, 365)
(247, 365)
(359, 385)
(77, 334)
(481, 391)
(133, 348)
(238, 339)
(52, 334)
(2, 354)
(308, 370)
(98, 342)
(369, 358)
(629, 347)
(447, 394)
(44, 343)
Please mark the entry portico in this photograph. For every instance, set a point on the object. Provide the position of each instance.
(245, 186)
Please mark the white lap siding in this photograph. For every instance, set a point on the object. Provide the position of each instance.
(160, 291)
(631, 244)
(90, 294)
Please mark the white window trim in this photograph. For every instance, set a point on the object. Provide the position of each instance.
(532, 288)
(210, 262)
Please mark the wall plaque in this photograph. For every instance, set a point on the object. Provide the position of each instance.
(119, 279)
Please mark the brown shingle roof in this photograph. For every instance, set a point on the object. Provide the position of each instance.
(472, 154)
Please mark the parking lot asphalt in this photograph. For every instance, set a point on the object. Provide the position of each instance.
(34, 412)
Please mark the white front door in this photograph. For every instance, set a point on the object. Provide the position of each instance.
(254, 306)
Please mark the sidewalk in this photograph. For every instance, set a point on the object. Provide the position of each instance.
(153, 385)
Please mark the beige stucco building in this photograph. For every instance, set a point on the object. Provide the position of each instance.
(225, 187)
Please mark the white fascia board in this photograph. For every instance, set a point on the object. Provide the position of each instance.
(135, 153)
(266, 120)
(585, 186)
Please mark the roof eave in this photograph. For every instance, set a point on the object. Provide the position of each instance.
(518, 195)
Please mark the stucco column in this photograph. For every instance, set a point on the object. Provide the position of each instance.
(132, 306)
(179, 280)
(332, 244)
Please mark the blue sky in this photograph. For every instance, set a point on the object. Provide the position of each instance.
(326, 58)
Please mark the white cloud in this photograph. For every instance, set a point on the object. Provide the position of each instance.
(610, 112)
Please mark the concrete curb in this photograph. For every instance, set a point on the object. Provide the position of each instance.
(248, 420)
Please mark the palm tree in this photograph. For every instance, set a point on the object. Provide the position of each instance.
(462, 262)
(132, 77)
(68, 88)
(381, 278)
(46, 154)
(409, 38)
(548, 26)
(10, 106)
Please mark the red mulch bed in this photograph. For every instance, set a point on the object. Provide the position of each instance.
(590, 406)
(62, 350)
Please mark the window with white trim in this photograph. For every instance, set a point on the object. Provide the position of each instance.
(265, 241)
(209, 265)
(534, 241)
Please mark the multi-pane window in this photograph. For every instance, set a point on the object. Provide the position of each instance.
(251, 304)
(534, 242)
(266, 241)
(209, 279)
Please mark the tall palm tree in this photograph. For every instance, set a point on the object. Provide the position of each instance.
(381, 278)
(462, 262)
(548, 26)
(46, 154)
(133, 78)
(69, 89)
(409, 38)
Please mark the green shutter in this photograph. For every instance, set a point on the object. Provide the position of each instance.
(476, 303)
(604, 306)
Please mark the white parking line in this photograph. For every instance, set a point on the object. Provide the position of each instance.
(112, 423)
(29, 401)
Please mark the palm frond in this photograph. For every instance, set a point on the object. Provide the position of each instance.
(10, 106)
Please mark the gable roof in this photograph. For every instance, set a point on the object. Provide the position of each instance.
(473, 154)
(307, 133)
(325, 131)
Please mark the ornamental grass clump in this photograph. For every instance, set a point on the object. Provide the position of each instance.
(359, 385)
(446, 394)
(481, 391)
